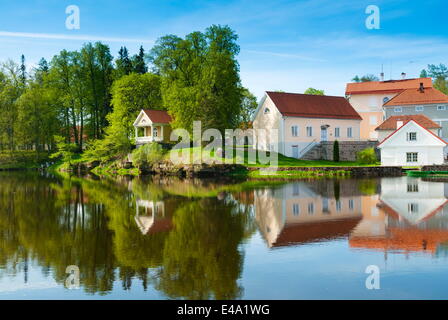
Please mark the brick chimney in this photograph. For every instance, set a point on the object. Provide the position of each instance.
(422, 87)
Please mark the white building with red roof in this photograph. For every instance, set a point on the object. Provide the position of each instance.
(412, 145)
(152, 126)
(292, 123)
(368, 99)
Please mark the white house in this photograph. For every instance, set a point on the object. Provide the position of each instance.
(152, 126)
(393, 123)
(292, 123)
(411, 145)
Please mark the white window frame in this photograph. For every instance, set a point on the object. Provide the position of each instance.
(411, 136)
(398, 109)
(311, 208)
(351, 204)
(296, 209)
(338, 205)
(295, 131)
(411, 157)
(413, 207)
(337, 132)
(349, 132)
(441, 108)
(309, 131)
(266, 110)
(419, 108)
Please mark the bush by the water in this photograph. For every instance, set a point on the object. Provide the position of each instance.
(147, 154)
(366, 156)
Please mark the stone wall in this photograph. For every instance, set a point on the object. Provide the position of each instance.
(435, 168)
(194, 170)
(347, 150)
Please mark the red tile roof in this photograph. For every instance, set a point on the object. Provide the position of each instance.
(313, 106)
(390, 86)
(387, 138)
(424, 121)
(158, 116)
(415, 96)
(315, 231)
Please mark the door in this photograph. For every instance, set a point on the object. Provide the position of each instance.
(323, 134)
(295, 151)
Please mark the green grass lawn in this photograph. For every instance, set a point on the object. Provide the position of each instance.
(283, 161)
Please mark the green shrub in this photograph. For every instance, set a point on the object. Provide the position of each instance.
(66, 151)
(336, 151)
(147, 154)
(366, 156)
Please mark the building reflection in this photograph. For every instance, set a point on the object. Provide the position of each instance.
(410, 215)
(151, 218)
(305, 212)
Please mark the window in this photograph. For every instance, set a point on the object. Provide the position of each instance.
(349, 132)
(325, 206)
(351, 204)
(294, 131)
(266, 110)
(398, 109)
(296, 209)
(311, 208)
(309, 131)
(385, 100)
(441, 108)
(419, 108)
(413, 207)
(412, 187)
(337, 132)
(338, 205)
(411, 157)
(411, 136)
(154, 132)
(373, 120)
(295, 189)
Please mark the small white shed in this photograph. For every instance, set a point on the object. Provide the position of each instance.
(412, 145)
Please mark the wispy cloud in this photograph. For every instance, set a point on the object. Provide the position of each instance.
(71, 37)
(285, 55)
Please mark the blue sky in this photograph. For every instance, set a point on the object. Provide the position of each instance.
(285, 45)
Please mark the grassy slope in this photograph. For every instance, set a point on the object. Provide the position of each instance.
(283, 161)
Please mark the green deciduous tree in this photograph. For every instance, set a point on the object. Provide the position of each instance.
(200, 78)
(365, 78)
(313, 91)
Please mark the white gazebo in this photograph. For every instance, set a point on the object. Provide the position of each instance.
(152, 126)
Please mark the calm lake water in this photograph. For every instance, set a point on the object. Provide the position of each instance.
(204, 239)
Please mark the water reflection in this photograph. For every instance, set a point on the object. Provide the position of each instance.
(411, 215)
(304, 212)
(186, 238)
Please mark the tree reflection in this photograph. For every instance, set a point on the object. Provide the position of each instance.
(92, 224)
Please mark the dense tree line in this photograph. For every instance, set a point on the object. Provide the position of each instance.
(439, 75)
(69, 96)
(91, 99)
